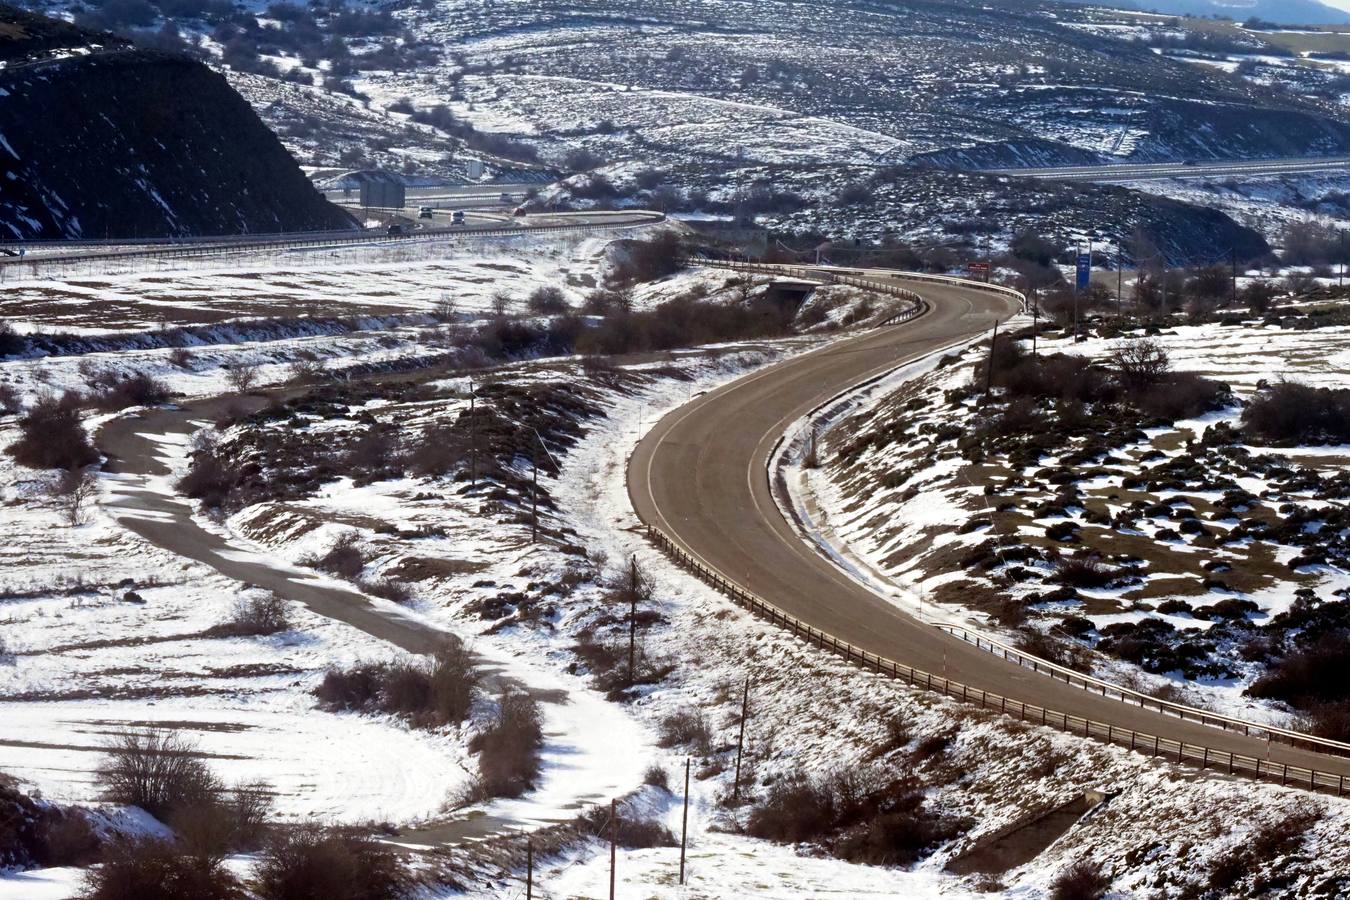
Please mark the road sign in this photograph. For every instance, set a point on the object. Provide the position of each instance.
(978, 270)
(1084, 270)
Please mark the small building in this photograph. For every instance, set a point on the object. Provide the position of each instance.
(473, 169)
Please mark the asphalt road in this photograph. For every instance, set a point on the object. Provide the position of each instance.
(1162, 171)
(701, 475)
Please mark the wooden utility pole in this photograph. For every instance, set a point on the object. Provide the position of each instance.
(1120, 282)
(989, 371)
(1035, 319)
(529, 868)
(473, 435)
(613, 844)
(684, 825)
(633, 587)
(534, 497)
(740, 741)
(1235, 276)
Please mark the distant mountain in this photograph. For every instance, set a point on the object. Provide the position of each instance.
(1284, 12)
(98, 139)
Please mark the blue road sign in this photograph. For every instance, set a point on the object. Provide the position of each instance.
(1084, 270)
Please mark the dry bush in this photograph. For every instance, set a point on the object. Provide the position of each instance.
(72, 492)
(345, 558)
(159, 771)
(1314, 677)
(316, 863)
(243, 375)
(235, 820)
(547, 301)
(1084, 573)
(656, 776)
(1271, 841)
(210, 478)
(1081, 881)
(180, 358)
(111, 392)
(11, 401)
(862, 816)
(256, 616)
(1293, 413)
(307, 367)
(391, 589)
(427, 695)
(508, 750)
(686, 729)
(153, 869)
(51, 436)
(628, 831)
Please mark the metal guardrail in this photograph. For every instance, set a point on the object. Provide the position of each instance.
(1206, 757)
(1154, 745)
(212, 247)
(1142, 700)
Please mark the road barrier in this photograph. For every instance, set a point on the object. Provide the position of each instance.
(1189, 754)
(210, 247)
(1155, 745)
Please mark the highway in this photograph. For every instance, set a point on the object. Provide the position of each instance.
(701, 477)
(37, 254)
(1333, 165)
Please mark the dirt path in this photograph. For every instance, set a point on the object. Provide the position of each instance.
(142, 503)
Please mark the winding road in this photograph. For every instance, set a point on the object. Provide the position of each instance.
(701, 477)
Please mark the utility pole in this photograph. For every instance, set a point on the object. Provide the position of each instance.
(529, 868)
(684, 826)
(1342, 258)
(534, 497)
(989, 371)
(740, 741)
(1234, 251)
(632, 620)
(473, 435)
(613, 843)
(1120, 281)
(1035, 319)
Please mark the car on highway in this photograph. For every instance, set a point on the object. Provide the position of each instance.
(396, 230)
(505, 198)
(425, 212)
(457, 218)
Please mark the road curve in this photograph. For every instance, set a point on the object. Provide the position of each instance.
(701, 476)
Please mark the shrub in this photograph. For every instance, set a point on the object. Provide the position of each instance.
(159, 771)
(209, 477)
(547, 301)
(1081, 881)
(388, 589)
(656, 776)
(1310, 675)
(51, 436)
(1182, 395)
(686, 729)
(181, 358)
(112, 393)
(11, 401)
(858, 815)
(345, 558)
(628, 831)
(1084, 573)
(508, 750)
(426, 694)
(11, 342)
(257, 615)
(152, 869)
(1290, 412)
(243, 375)
(315, 863)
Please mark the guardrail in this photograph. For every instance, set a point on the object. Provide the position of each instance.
(216, 247)
(917, 304)
(1142, 700)
(1154, 745)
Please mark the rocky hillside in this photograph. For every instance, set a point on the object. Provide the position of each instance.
(101, 140)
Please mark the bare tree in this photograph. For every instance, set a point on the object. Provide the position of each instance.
(501, 302)
(72, 492)
(1141, 362)
(243, 375)
(307, 367)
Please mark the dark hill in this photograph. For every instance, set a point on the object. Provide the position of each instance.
(101, 140)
